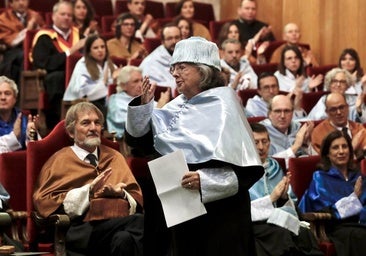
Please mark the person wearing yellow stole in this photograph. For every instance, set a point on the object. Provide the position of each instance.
(50, 48)
(14, 23)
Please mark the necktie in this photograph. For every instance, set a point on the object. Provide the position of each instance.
(92, 159)
(345, 132)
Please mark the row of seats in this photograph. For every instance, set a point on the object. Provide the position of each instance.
(203, 11)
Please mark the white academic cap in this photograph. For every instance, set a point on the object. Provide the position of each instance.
(196, 50)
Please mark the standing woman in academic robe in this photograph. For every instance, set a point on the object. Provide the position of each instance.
(222, 161)
(339, 189)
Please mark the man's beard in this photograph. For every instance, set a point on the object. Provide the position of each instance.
(90, 142)
(93, 142)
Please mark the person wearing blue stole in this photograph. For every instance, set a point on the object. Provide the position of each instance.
(276, 225)
(207, 122)
(339, 189)
(14, 126)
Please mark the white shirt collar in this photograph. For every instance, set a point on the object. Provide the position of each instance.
(63, 34)
(82, 153)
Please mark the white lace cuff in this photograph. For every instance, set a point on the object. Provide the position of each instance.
(261, 208)
(348, 206)
(217, 183)
(77, 201)
(138, 119)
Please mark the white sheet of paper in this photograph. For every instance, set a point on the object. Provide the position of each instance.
(179, 204)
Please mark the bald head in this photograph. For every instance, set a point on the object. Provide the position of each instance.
(336, 108)
(291, 33)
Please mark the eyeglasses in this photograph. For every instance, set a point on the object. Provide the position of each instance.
(340, 82)
(334, 110)
(128, 24)
(170, 38)
(269, 87)
(280, 111)
(179, 68)
(263, 141)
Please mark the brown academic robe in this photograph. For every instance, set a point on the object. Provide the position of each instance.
(201, 30)
(325, 127)
(10, 25)
(65, 171)
(115, 48)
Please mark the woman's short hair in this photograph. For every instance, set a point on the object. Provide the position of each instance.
(325, 149)
(125, 74)
(332, 74)
(210, 77)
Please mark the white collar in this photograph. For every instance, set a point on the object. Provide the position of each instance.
(63, 34)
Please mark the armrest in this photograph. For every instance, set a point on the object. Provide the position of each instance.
(19, 225)
(318, 221)
(61, 223)
(5, 219)
(59, 220)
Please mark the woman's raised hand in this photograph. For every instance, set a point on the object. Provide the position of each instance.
(148, 90)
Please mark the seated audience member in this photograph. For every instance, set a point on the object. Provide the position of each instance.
(254, 33)
(337, 111)
(291, 73)
(288, 137)
(92, 74)
(292, 35)
(350, 61)
(14, 22)
(268, 196)
(124, 45)
(50, 49)
(157, 64)
(339, 189)
(268, 88)
(98, 192)
(242, 75)
(230, 30)
(249, 26)
(83, 17)
(185, 26)
(339, 80)
(15, 128)
(146, 26)
(185, 8)
(129, 86)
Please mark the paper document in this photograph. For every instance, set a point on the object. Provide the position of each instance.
(179, 204)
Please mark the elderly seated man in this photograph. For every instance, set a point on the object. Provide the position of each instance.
(337, 110)
(15, 128)
(94, 186)
(288, 137)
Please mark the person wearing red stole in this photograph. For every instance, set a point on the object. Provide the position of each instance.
(50, 48)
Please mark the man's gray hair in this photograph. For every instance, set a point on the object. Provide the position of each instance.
(13, 85)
